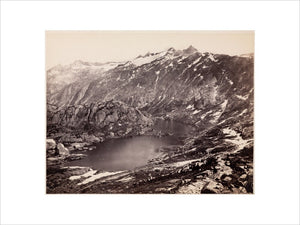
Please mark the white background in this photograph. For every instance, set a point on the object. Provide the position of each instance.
(276, 198)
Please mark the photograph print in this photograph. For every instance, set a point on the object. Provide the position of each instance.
(149, 112)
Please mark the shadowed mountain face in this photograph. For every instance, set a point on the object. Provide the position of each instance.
(211, 93)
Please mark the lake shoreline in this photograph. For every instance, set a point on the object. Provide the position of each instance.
(176, 170)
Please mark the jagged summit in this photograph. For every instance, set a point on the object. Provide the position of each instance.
(139, 56)
(148, 54)
(171, 49)
(190, 50)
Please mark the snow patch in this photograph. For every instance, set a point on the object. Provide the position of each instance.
(242, 97)
(238, 140)
(191, 150)
(224, 104)
(125, 179)
(148, 59)
(229, 132)
(181, 59)
(183, 163)
(190, 107)
(196, 111)
(217, 114)
(156, 81)
(196, 61)
(73, 167)
(205, 114)
(211, 57)
(87, 174)
(104, 67)
(230, 81)
(242, 113)
(98, 176)
(107, 66)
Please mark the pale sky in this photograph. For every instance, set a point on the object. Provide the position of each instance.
(64, 47)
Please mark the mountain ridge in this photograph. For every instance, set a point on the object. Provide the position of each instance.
(166, 79)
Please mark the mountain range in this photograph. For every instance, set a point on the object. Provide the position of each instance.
(174, 83)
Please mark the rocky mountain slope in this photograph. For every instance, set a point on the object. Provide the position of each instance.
(156, 82)
(212, 92)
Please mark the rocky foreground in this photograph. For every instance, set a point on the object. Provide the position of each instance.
(88, 103)
(219, 160)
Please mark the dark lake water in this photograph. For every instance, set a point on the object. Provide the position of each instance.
(173, 127)
(128, 153)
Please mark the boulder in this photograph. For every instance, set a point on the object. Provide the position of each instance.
(112, 118)
(243, 190)
(100, 116)
(128, 130)
(62, 150)
(50, 144)
(243, 176)
(227, 178)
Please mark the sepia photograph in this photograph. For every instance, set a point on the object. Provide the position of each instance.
(149, 112)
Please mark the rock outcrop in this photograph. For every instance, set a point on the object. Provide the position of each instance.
(50, 144)
(91, 123)
(62, 150)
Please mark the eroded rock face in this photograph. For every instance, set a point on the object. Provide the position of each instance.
(62, 150)
(101, 116)
(78, 127)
